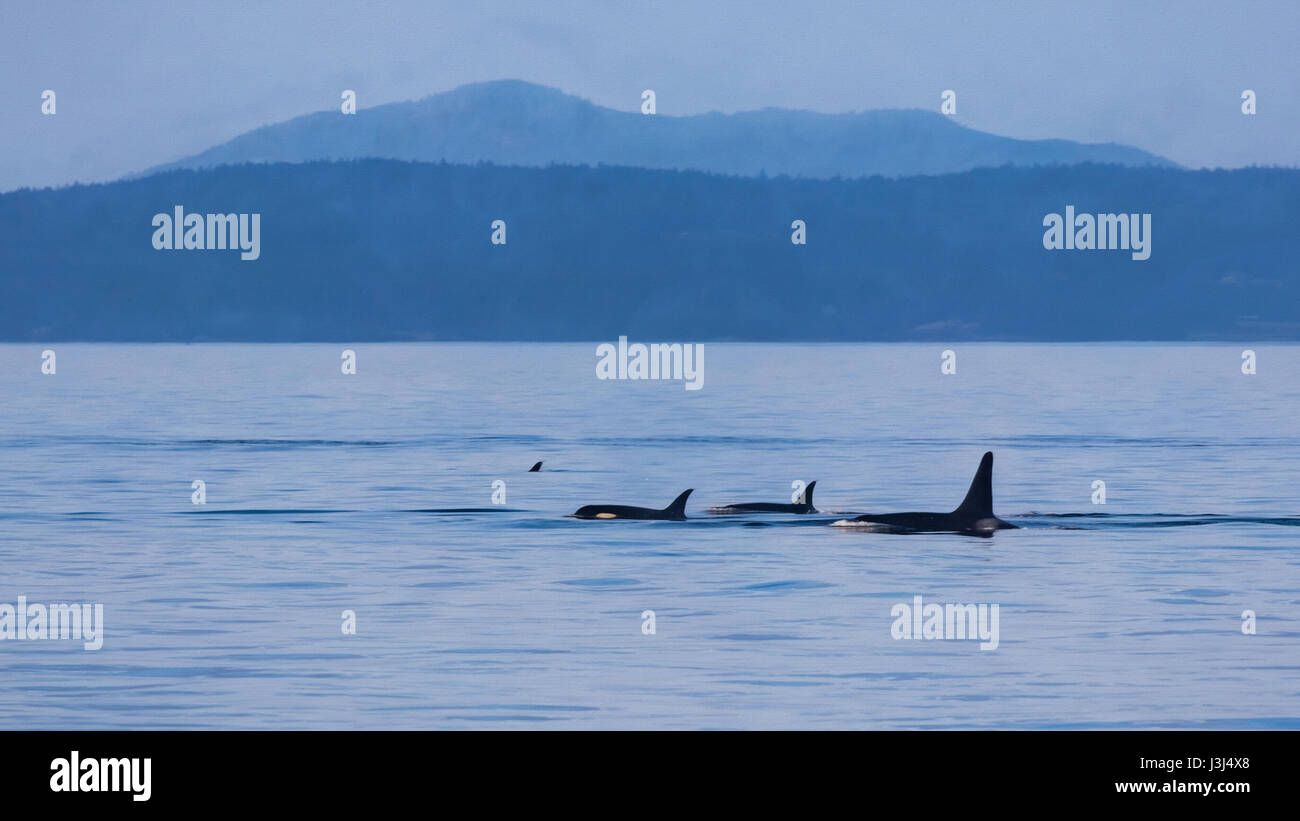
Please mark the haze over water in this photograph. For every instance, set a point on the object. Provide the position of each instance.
(373, 493)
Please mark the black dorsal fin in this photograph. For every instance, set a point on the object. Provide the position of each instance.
(678, 507)
(807, 493)
(978, 503)
(535, 468)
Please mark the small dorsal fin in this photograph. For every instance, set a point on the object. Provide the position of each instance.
(807, 493)
(678, 507)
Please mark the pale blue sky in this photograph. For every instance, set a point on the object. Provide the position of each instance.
(143, 83)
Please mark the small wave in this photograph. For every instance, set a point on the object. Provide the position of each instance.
(1097, 521)
(602, 584)
(463, 510)
(758, 637)
(793, 584)
(260, 512)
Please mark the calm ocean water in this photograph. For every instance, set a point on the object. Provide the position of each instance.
(373, 493)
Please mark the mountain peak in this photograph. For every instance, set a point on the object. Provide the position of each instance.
(515, 122)
(501, 92)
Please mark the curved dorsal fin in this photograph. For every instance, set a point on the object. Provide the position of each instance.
(678, 507)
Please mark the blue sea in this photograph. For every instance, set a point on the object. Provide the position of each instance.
(374, 493)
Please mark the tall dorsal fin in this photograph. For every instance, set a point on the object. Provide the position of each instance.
(978, 503)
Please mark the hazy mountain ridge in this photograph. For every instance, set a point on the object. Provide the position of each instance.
(380, 249)
(511, 122)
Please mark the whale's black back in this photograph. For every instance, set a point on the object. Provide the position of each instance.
(973, 515)
(675, 512)
(806, 506)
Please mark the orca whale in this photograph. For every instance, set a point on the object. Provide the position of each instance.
(974, 516)
(771, 507)
(535, 468)
(676, 512)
